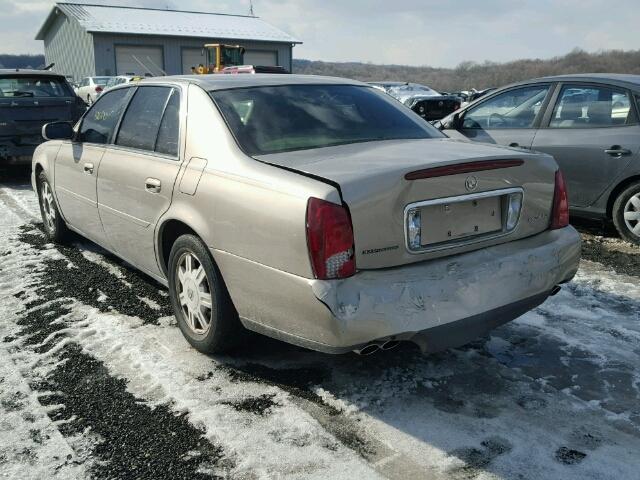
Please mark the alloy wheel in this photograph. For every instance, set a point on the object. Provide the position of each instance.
(632, 214)
(194, 293)
(48, 206)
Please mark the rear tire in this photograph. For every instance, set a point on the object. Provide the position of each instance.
(200, 300)
(626, 214)
(54, 227)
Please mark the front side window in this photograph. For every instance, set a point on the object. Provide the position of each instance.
(37, 86)
(515, 108)
(591, 107)
(295, 117)
(101, 120)
(141, 123)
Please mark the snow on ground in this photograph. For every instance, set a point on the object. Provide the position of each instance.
(554, 394)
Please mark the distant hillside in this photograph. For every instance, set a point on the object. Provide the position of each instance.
(21, 61)
(480, 75)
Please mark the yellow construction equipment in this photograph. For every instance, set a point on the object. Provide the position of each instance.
(219, 56)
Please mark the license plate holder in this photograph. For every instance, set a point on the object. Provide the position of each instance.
(460, 220)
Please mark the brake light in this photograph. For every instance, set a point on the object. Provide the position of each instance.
(560, 212)
(98, 89)
(330, 240)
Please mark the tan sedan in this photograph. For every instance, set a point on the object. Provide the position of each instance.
(314, 210)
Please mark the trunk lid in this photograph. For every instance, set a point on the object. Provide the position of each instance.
(371, 180)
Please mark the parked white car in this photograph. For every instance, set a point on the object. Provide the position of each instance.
(121, 79)
(90, 88)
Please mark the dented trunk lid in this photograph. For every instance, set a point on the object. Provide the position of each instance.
(377, 182)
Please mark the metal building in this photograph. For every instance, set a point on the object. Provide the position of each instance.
(93, 40)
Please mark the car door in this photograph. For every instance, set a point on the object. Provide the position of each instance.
(138, 172)
(508, 118)
(78, 161)
(593, 133)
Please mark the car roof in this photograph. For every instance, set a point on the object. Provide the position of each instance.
(244, 80)
(389, 84)
(613, 78)
(29, 72)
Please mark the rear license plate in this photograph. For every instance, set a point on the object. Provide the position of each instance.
(447, 222)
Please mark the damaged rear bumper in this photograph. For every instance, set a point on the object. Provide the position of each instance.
(436, 304)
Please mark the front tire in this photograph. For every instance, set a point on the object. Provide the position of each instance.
(54, 227)
(626, 214)
(204, 310)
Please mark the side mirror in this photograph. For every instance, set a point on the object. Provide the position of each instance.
(57, 131)
(452, 122)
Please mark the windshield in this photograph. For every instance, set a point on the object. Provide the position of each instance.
(412, 89)
(295, 117)
(37, 86)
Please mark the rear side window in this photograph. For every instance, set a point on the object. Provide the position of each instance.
(591, 107)
(167, 142)
(100, 121)
(34, 87)
(142, 121)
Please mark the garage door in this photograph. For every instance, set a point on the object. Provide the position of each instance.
(135, 60)
(261, 57)
(192, 57)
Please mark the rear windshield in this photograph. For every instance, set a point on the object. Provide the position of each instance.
(101, 80)
(295, 117)
(33, 87)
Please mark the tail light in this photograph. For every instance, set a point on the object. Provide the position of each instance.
(330, 240)
(560, 212)
(98, 89)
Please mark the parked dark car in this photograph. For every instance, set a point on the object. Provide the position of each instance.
(589, 123)
(423, 100)
(28, 100)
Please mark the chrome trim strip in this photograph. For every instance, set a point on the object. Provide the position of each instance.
(461, 198)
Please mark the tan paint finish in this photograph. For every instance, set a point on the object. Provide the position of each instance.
(252, 213)
(129, 210)
(191, 175)
(76, 170)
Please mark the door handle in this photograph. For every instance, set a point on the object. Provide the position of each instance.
(617, 151)
(514, 145)
(152, 185)
(88, 168)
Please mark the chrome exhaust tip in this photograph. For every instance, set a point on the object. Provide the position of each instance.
(388, 345)
(555, 290)
(368, 349)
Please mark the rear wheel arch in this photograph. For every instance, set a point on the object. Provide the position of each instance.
(617, 190)
(169, 232)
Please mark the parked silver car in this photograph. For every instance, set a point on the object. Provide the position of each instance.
(315, 210)
(589, 123)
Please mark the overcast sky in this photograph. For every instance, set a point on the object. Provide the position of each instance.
(411, 32)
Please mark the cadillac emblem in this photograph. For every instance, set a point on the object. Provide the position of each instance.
(471, 183)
